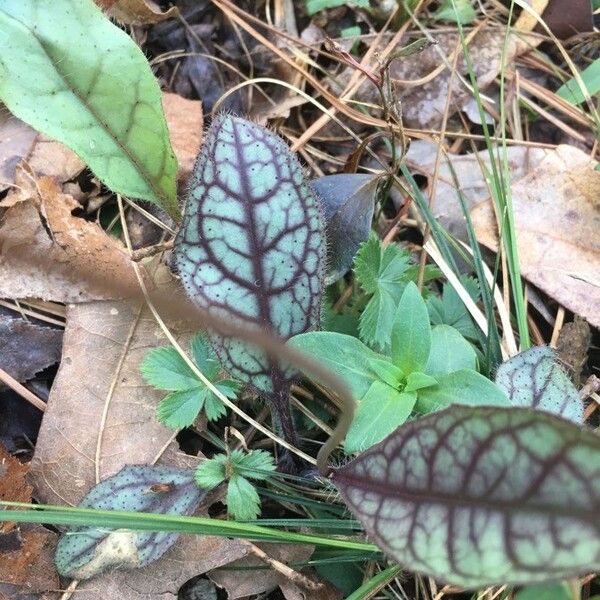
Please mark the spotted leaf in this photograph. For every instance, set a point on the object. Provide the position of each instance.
(477, 496)
(534, 378)
(251, 244)
(87, 551)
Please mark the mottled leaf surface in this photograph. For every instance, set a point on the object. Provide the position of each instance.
(251, 245)
(534, 378)
(86, 552)
(479, 496)
(348, 201)
(73, 75)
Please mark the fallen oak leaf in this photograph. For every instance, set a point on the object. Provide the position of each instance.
(559, 253)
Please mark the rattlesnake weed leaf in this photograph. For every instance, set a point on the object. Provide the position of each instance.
(477, 496)
(85, 552)
(534, 378)
(251, 246)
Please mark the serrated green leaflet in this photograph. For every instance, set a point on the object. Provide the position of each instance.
(381, 271)
(70, 73)
(480, 496)
(251, 246)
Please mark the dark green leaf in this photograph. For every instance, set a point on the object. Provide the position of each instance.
(180, 409)
(534, 378)
(449, 309)
(73, 75)
(411, 332)
(348, 200)
(87, 551)
(551, 591)
(477, 496)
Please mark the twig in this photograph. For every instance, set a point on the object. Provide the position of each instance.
(289, 573)
(138, 255)
(20, 389)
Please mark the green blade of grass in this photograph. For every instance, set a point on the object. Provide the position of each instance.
(373, 585)
(85, 517)
(501, 193)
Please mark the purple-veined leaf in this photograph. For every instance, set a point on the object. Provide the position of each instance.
(534, 378)
(476, 496)
(87, 551)
(348, 201)
(251, 248)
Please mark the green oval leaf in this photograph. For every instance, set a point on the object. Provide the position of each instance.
(70, 73)
(460, 387)
(251, 245)
(381, 410)
(85, 552)
(450, 351)
(411, 332)
(482, 496)
(534, 378)
(348, 201)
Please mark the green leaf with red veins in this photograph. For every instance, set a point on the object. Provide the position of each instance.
(534, 378)
(84, 552)
(251, 248)
(477, 496)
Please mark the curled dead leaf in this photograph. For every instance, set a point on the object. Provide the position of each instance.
(39, 225)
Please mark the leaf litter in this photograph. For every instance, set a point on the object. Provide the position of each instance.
(112, 336)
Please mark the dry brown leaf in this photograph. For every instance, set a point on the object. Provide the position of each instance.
(39, 224)
(423, 105)
(190, 556)
(185, 122)
(19, 142)
(240, 584)
(136, 12)
(99, 377)
(557, 218)
(27, 559)
(27, 348)
(16, 141)
(445, 205)
(13, 487)
(99, 392)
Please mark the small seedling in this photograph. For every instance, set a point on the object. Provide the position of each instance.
(236, 468)
(424, 370)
